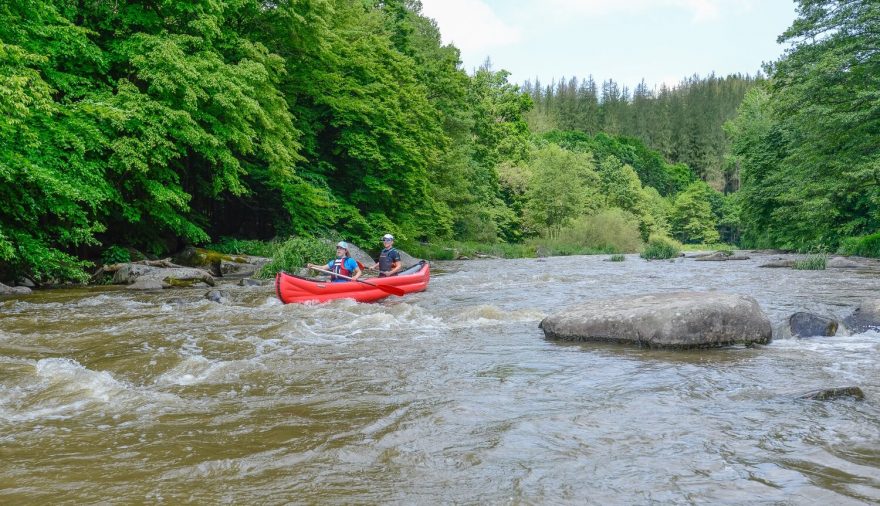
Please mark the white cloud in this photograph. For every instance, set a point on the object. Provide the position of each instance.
(701, 10)
(470, 24)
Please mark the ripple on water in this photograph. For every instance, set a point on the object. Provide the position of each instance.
(61, 388)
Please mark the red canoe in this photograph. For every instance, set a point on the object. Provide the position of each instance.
(290, 288)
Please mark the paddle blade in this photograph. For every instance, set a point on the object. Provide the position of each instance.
(393, 290)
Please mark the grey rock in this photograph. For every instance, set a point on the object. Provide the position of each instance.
(254, 282)
(811, 325)
(169, 277)
(145, 284)
(201, 258)
(217, 296)
(360, 255)
(407, 260)
(865, 317)
(234, 268)
(128, 273)
(664, 320)
(26, 282)
(720, 256)
(828, 394)
(779, 263)
(14, 290)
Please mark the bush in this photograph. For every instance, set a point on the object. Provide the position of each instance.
(660, 248)
(610, 230)
(617, 258)
(814, 262)
(26, 256)
(295, 253)
(115, 255)
(232, 246)
(863, 246)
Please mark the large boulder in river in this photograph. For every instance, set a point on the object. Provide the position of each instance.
(128, 274)
(664, 320)
(810, 325)
(14, 290)
(865, 317)
(219, 264)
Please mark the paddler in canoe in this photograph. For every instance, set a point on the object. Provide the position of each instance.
(389, 259)
(342, 265)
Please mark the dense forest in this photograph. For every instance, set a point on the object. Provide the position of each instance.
(154, 124)
(684, 123)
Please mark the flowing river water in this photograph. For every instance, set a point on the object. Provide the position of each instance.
(447, 396)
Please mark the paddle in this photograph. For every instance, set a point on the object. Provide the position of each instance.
(393, 290)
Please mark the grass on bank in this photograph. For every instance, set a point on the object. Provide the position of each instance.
(863, 246)
(814, 262)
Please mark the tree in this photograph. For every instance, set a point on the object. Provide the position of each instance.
(562, 187)
(813, 167)
(691, 218)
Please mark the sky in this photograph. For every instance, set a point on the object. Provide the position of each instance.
(661, 41)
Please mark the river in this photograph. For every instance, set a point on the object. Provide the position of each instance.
(447, 396)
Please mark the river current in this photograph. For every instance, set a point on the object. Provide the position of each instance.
(447, 396)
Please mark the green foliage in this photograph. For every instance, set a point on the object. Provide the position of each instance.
(682, 124)
(232, 246)
(812, 262)
(691, 218)
(610, 230)
(661, 248)
(115, 255)
(617, 258)
(807, 142)
(865, 246)
(649, 165)
(295, 253)
(562, 187)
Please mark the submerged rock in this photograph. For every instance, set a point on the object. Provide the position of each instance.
(217, 296)
(811, 325)
(828, 394)
(720, 256)
(865, 317)
(779, 263)
(664, 320)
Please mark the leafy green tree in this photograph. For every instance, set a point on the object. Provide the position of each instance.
(51, 182)
(691, 218)
(563, 186)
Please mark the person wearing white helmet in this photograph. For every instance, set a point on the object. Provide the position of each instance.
(343, 264)
(389, 258)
